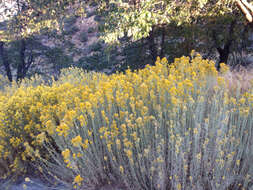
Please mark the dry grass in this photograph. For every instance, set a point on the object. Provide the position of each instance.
(240, 80)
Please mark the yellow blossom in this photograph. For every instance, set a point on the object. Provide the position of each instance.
(121, 169)
(63, 129)
(77, 141)
(85, 144)
(66, 154)
(179, 187)
(78, 180)
(27, 179)
(129, 153)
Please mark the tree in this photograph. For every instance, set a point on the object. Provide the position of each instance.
(26, 17)
(159, 26)
(21, 20)
(5, 61)
(201, 24)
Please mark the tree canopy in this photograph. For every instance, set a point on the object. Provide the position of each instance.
(157, 26)
(27, 17)
(134, 18)
(137, 18)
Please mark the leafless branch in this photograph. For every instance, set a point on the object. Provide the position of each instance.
(246, 8)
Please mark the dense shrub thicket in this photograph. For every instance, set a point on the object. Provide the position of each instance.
(168, 126)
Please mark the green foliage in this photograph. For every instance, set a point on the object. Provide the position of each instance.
(31, 17)
(174, 26)
(164, 28)
(99, 61)
(138, 20)
(58, 58)
(33, 51)
(134, 56)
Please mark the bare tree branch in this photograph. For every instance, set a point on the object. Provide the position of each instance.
(246, 8)
(248, 5)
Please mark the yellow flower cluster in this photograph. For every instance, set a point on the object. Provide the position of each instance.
(78, 180)
(77, 141)
(114, 116)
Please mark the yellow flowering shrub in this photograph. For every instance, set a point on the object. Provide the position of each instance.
(165, 125)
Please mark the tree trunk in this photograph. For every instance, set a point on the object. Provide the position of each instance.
(152, 46)
(5, 61)
(21, 64)
(162, 53)
(224, 52)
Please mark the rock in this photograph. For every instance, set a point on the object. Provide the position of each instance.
(32, 184)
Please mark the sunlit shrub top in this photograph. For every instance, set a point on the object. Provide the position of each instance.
(29, 114)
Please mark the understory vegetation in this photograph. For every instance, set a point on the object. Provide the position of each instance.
(180, 125)
(111, 93)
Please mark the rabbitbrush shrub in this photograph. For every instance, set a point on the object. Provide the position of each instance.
(176, 126)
